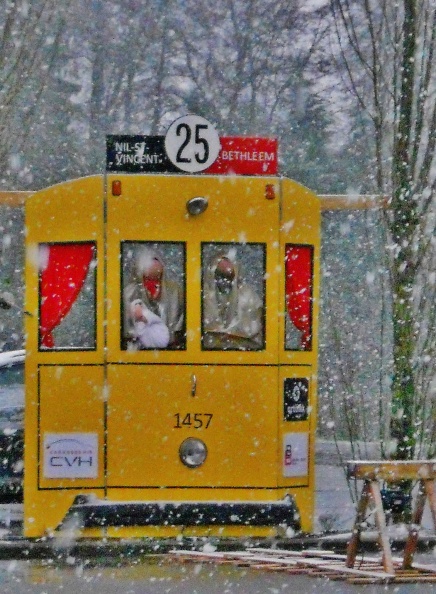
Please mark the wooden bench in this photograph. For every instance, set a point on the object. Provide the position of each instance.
(374, 472)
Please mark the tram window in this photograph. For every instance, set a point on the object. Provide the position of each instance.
(233, 296)
(298, 288)
(153, 301)
(67, 296)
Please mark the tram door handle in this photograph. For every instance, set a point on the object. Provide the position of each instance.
(193, 384)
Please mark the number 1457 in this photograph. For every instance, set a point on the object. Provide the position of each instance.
(195, 420)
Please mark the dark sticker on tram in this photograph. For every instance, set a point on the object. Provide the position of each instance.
(296, 399)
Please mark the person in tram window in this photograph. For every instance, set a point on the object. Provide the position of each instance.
(149, 331)
(232, 310)
(153, 305)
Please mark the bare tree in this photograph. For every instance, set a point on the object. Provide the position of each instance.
(354, 343)
(29, 34)
(387, 56)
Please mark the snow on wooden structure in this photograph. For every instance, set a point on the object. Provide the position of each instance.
(314, 563)
(367, 569)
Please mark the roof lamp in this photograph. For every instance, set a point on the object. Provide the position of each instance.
(197, 205)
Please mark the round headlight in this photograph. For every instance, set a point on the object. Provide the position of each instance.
(193, 452)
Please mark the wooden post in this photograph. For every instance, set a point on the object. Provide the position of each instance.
(353, 545)
(380, 519)
(412, 539)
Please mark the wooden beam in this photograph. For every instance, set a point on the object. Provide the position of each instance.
(14, 199)
(352, 201)
(393, 470)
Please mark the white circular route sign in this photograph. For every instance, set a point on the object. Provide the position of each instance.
(192, 144)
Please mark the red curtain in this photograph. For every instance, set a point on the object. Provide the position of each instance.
(61, 280)
(299, 290)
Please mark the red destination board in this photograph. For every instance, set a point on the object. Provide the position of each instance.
(245, 156)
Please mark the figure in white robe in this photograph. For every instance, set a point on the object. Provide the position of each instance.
(153, 295)
(232, 311)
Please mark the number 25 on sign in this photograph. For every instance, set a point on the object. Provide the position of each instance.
(192, 143)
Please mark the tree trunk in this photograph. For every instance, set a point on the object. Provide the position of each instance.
(404, 223)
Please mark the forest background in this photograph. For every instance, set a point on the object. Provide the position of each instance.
(347, 87)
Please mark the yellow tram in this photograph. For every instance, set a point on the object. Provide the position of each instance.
(171, 356)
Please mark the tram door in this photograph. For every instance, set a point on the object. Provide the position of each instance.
(211, 383)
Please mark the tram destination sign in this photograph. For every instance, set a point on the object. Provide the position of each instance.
(191, 145)
(246, 156)
(146, 154)
(137, 154)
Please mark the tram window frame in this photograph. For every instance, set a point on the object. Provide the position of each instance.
(177, 276)
(304, 336)
(73, 315)
(211, 250)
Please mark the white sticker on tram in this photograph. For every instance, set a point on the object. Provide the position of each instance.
(295, 454)
(70, 455)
